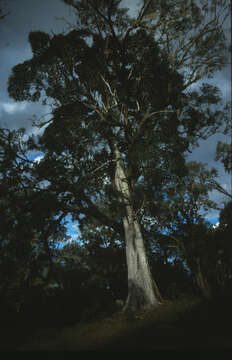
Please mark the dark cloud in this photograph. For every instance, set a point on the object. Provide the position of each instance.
(31, 15)
(25, 16)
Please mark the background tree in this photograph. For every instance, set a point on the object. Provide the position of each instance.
(224, 150)
(180, 221)
(29, 227)
(225, 217)
(122, 118)
(223, 236)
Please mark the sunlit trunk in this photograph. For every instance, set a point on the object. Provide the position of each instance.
(142, 290)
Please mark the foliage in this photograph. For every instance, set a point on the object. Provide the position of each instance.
(224, 154)
(224, 150)
(225, 222)
(205, 250)
(28, 224)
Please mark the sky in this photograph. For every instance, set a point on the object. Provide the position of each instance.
(31, 15)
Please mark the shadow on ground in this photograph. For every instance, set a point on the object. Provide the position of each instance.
(183, 325)
(201, 326)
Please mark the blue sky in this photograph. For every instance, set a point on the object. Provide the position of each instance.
(31, 15)
(72, 228)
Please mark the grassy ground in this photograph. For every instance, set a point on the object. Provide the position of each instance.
(176, 325)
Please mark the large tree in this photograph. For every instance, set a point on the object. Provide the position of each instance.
(122, 114)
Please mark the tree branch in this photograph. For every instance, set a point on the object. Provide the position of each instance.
(107, 20)
(219, 188)
(94, 212)
(148, 116)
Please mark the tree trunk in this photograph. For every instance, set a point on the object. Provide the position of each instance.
(201, 281)
(142, 289)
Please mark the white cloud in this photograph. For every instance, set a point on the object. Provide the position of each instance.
(38, 158)
(12, 108)
(216, 225)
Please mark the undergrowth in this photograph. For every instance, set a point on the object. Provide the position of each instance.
(187, 323)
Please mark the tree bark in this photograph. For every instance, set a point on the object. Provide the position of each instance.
(201, 281)
(142, 289)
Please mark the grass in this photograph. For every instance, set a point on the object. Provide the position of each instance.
(176, 325)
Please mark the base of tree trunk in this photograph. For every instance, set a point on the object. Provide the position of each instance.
(137, 300)
(133, 309)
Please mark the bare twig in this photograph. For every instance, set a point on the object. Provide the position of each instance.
(138, 107)
(101, 166)
(108, 86)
